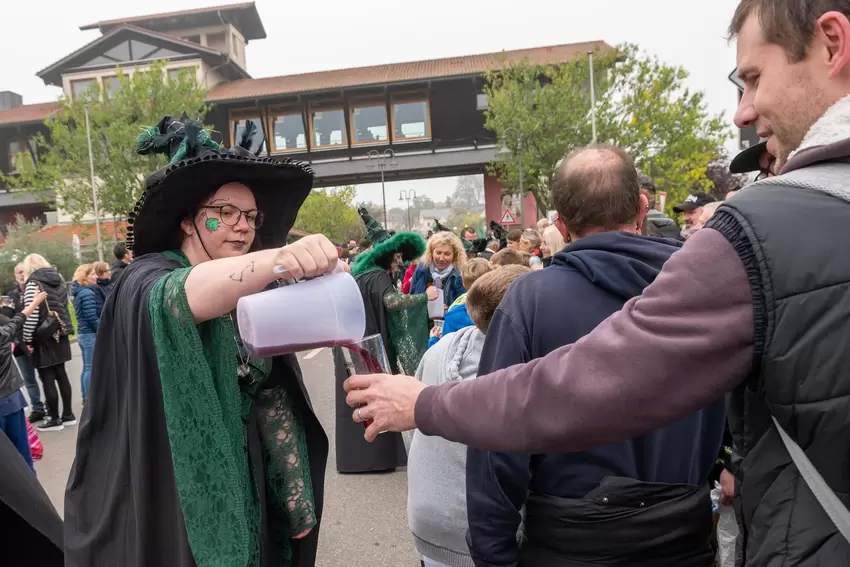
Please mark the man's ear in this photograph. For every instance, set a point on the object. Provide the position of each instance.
(832, 30)
(562, 228)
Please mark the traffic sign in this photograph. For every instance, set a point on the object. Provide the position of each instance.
(746, 136)
(508, 218)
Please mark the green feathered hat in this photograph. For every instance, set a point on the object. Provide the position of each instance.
(410, 245)
(374, 231)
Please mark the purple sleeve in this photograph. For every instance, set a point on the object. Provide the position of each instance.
(672, 351)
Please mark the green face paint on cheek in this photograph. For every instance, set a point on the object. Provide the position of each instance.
(212, 225)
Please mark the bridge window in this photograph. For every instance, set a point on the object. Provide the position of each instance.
(288, 129)
(368, 123)
(327, 128)
(411, 120)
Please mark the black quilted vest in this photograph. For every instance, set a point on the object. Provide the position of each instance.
(795, 245)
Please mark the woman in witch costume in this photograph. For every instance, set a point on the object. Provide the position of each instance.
(402, 322)
(191, 453)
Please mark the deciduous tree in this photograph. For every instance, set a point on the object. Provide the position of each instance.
(642, 105)
(331, 212)
(61, 166)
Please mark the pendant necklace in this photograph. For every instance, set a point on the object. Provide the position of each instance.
(243, 371)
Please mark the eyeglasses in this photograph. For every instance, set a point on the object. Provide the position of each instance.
(231, 215)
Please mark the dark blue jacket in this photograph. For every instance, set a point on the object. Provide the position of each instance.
(452, 286)
(102, 291)
(542, 311)
(87, 307)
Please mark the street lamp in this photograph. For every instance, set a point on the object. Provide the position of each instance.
(94, 189)
(592, 96)
(505, 151)
(407, 196)
(382, 159)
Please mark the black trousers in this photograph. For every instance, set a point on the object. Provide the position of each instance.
(50, 377)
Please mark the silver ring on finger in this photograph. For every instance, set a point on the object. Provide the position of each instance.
(360, 415)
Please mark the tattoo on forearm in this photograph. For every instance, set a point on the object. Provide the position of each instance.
(240, 276)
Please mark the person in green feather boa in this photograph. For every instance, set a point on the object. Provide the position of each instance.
(402, 322)
(191, 453)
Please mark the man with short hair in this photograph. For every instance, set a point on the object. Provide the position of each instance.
(706, 214)
(657, 223)
(22, 353)
(770, 324)
(123, 257)
(691, 209)
(492, 248)
(601, 212)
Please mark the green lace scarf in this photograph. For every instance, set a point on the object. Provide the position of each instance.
(205, 414)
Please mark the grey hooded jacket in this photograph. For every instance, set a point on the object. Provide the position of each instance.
(436, 468)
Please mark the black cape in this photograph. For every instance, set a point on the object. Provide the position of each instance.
(30, 528)
(121, 503)
(353, 453)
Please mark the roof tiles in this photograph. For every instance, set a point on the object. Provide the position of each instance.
(397, 72)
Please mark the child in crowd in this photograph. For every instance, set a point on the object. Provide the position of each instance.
(436, 473)
(457, 317)
(530, 244)
(514, 237)
(13, 422)
(510, 257)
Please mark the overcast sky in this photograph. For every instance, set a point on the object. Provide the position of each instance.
(334, 34)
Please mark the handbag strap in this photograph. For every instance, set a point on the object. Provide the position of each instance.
(831, 504)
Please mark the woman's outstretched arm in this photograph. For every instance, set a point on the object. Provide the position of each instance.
(213, 288)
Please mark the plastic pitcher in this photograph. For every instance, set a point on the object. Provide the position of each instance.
(435, 307)
(323, 312)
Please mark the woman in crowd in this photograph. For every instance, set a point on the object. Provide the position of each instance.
(104, 281)
(529, 244)
(192, 452)
(552, 243)
(402, 322)
(457, 316)
(13, 422)
(46, 332)
(441, 266)
(87, 306)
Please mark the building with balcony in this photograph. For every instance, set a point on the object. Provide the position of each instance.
(409, 120)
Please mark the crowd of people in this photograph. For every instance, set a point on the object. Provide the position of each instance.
(574, 391)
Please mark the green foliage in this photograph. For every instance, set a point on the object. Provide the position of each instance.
(23, 238)
(116, 120)
(332, 212)
(543, 113)
(458, 222)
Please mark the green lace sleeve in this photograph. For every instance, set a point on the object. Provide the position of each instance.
(287, 467)
(396, 301)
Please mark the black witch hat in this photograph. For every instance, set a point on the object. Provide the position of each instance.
(374, 231)
(197, 168)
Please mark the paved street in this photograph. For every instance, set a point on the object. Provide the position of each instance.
(365, 520)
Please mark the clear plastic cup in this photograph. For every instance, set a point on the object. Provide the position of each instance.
(368, 356)
(323, 312)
